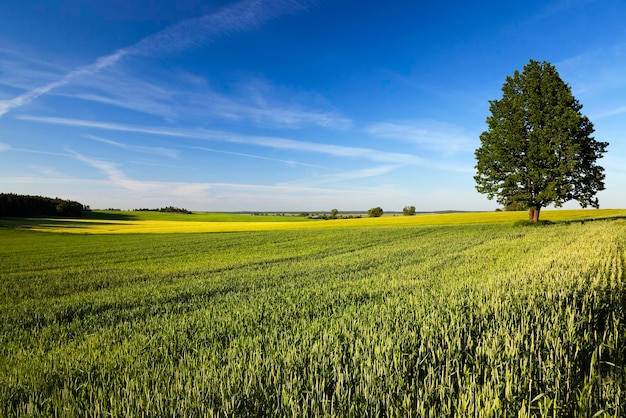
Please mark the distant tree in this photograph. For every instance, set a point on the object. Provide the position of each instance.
(515, 206)
(538, 149)
(172, 209)
(333, 214)
(167, 209)
(27, 206)
(408, 210)
(375, 212)
(68, 208)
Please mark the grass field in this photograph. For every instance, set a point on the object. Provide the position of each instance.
(430, 315)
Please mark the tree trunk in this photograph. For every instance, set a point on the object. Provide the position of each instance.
(536, 214)
(533, 214)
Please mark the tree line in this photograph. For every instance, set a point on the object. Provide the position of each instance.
(168, 209)
(25, 206)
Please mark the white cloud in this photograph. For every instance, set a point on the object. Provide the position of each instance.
(192, 33)
(434, 136)
(595, 71)
(33, 151)
(118, 178)
(27, 97)
(344, 176)
(23, 72)
(46, 171)
(210, 196)
(262, 103)
(241, 16)
(269, 142)
(278, 115)
(166, 152)
(4, 147)
(254, 101)
(260, 157)
(608, 113)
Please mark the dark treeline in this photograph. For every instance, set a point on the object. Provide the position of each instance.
(24, 206)
(170, 209)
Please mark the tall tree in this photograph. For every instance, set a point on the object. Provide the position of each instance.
(538, 149)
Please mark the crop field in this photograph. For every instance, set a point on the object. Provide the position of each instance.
(149, 222)
(424, 316)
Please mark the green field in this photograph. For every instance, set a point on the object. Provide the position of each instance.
(397, 316)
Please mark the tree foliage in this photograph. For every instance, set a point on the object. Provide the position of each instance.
(408, 210)
(538, 149)
(375, 212)
(516, 206)
(25, 206)
(167, 209)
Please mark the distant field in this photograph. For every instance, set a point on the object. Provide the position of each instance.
(193, 217)
(463, 314)
(155, 222)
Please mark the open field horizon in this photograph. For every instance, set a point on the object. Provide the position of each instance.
(130, 222)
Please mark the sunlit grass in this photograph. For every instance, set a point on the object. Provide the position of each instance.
(483, 320)
(146, 222)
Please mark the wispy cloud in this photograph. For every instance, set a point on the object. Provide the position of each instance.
(31, 151)
(192, 33)
(21, 70)
(205, 192)
(276, 115)
(608, 113)
(166, 152)
(27, 97)
(262, 103)
(554, 7)
(434, 136)
(159, 164)
(109, 169)
(46, 171)
(596, 70)
(118, 178)
(598, 79)
(118, 87)
(343, 176)
(254, 101)
(263, 141)
(260, 157)
(241, 16)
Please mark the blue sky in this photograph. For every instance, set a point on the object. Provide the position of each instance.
(285, 105)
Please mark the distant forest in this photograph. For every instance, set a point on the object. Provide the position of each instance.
(24, 206)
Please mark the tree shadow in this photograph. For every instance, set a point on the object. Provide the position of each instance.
(44, 223)
(108, 216)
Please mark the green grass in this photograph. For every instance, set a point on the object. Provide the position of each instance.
(465, 320)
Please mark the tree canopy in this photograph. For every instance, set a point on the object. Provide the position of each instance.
(538, 149)
(37, 206)
(375, 212)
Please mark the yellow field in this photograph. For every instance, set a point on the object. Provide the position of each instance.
(92, 226)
